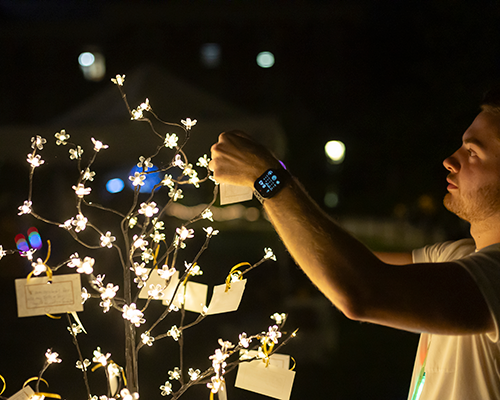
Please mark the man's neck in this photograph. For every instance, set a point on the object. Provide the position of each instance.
(486, 233)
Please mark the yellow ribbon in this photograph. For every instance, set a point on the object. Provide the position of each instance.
(234, 270)
(35, 378)
(48, 252)
(4, 384)
(266, 353)
(53, 395)
(53, 316)
(48, 271)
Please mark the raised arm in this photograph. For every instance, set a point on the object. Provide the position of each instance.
(437, 298)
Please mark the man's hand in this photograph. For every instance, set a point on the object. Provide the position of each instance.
(238, 160)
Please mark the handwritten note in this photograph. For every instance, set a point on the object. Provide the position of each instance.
(234, 194)
(275, 380)
(38, 297)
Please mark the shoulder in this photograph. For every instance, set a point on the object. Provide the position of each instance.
(445, 251)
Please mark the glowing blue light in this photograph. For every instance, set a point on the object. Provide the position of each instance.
(115, 185)
(151, 180)
(86, 59)
(265, 59)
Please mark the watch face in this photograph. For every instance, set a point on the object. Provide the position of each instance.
(268, 183)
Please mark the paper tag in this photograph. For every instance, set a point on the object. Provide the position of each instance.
(155, 279)
(275, 380)
(234, 194)
(194, 294)
(24, 394)
(37, 297)
(223, 301)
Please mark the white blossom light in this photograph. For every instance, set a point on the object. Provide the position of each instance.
(118, 80)
(62, 137)
(107, 240)
(148, 209)
(81, 190)
(188, 123)
(52, 357)
(146, 162)
(147, 339)
(35, 161)
(166, 388)
(137, 179)
(88, 175)
(98, 145)
(165, 272)
(171, 140)
(38, 142)
(25, 208)
(80, 223)
(83, 366)
(38, 267)
(175, 374)
(126, 395)
(279, 318)
(203, 161)
(75, 154)
(109, 291)
(168, 181)
(174, 333)
(194, 374)
(269, 254)
(134, 315)
(101, 358)
(139, 242)
(184, 233)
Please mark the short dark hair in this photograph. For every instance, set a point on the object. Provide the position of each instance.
(491, 101)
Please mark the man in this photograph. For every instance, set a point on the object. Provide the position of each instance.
(448, 292)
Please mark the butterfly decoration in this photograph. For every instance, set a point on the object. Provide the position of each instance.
(35, 240)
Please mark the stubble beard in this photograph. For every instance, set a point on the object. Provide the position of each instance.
(475, 206)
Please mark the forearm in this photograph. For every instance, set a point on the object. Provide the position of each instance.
(336, 262)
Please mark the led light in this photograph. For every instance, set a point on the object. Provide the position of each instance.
(335, 151)
(115, 185)
(86, 59)
(265, 59)
(146, 181)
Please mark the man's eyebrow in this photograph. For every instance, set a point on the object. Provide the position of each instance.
(473, 141)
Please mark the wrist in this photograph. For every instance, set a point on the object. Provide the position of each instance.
(271, 182)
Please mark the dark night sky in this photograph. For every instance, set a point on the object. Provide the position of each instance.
(397, 81)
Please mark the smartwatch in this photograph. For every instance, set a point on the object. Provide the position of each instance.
(270, 183)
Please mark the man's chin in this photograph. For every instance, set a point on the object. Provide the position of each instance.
(451, 205)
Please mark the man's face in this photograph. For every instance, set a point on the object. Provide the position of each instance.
(474, 179)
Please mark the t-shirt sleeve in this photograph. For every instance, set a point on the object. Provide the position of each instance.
(484, 266)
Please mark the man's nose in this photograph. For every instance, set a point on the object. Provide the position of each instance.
(451, 163)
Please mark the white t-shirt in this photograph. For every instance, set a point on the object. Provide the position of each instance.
(463, 367)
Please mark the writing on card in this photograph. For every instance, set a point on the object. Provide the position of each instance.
(38, 297)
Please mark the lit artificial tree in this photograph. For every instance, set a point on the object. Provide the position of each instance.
(144, 256)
